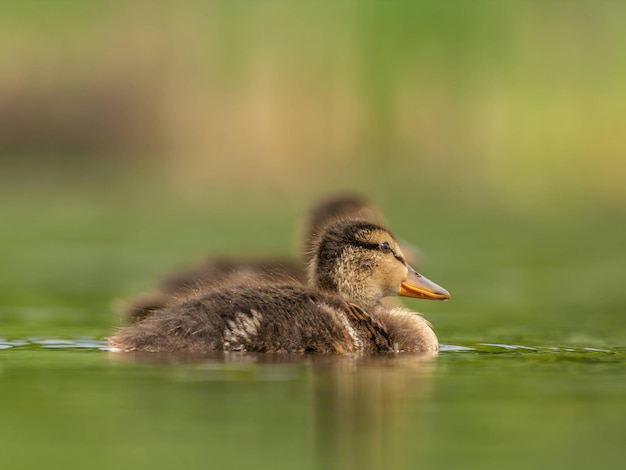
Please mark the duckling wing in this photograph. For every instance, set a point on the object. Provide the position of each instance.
(373, 333)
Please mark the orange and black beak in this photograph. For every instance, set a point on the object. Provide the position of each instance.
(416, 285)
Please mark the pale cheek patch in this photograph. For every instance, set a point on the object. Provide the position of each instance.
(405, 273)
(241, 329)
(390, 277)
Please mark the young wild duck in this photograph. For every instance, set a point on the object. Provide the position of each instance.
(213, 272)
(355, 264)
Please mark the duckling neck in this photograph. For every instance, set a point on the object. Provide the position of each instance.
(354, 289)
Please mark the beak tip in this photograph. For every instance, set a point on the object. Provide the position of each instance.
(416, 285)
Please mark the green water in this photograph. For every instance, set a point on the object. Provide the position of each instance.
(485, 407)
(532, 372)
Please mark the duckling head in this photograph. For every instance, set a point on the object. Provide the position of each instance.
(341, 207)
(363, 262)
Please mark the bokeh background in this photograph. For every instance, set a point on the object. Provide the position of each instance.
(137, 136)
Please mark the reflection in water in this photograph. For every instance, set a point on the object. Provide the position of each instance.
(384, 411)
(359, 405)
(469, 408)
(361, 409)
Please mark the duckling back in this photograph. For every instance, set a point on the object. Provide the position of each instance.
(211, 273)
(267, 318)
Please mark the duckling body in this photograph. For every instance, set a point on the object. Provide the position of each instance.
(355, 265)
(271, 318)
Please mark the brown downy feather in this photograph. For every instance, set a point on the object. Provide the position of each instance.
(270, 318)
(356, 264)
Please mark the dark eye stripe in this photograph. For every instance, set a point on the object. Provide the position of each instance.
(397, 256)
(376, 247)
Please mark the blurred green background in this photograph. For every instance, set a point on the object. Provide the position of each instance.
(136, 136)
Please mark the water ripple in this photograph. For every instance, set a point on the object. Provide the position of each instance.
(54, 343)
(86, 343)
(517, 349)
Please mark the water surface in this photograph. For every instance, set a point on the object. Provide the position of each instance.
(74, 404)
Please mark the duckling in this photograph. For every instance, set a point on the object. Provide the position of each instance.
(355, 264)
(222, 271)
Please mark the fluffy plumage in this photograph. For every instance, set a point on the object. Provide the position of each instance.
(356, 264)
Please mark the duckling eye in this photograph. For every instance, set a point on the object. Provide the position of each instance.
(385, 248)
